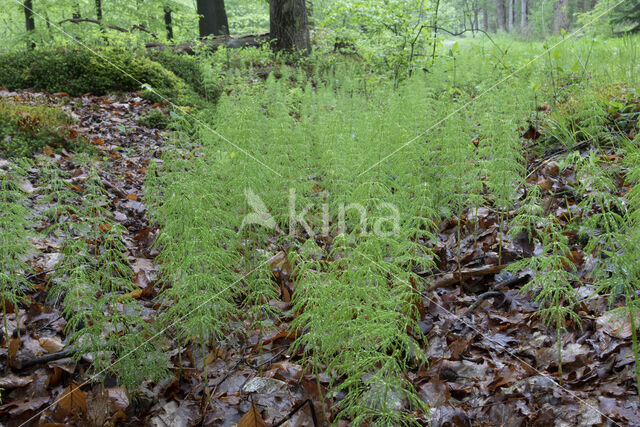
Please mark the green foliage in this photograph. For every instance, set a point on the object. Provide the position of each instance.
(125, 15)
(155, 119)
(25, 129)
(80, 71)
(627, 13)
(93, 282)
(57, 199)
(192, 70)
(248, 17)
(552, 270)
(386, 34)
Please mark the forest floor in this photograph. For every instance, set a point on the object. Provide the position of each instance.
(491, 361)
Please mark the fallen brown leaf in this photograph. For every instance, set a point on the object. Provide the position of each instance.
(252, 418)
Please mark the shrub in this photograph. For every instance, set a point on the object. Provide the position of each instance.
(79, 71)
(189, 69)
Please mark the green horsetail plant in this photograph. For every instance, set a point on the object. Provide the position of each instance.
(625, 276)
(461, 172)
(529, 215)
(15, 228)
(504, 165)
(197, 258)
(552, 271)
(95, 283)
(359, 313)
(57, 198)
(604, 211)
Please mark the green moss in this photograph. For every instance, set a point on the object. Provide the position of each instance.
(79, 71)
(155, 119)
(25, 129)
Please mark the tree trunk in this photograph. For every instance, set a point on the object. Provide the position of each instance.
(512, 14)
(500, 16)
(485, 19)
(560, 16)
(99, 10)
(213, 18)
(475, 20)
(289, 25)
(524, 10)
(167, 22)
(29, 21)
(28, 15)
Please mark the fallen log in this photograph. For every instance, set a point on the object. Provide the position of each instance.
(212, 44)
(110, 26)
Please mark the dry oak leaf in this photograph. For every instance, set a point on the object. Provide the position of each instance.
(72, 400)
(51, 344)
(252, 418)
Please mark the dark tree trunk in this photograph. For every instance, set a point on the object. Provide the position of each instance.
(28, 15)
(476, 27)
(500, 15)
(289, 25)
(99, 10)
(485, 19)
(167, 22)
(213, 18)
(30, 22)
(560, 16)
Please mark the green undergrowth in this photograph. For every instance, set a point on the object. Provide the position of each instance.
(348, 176)
(26, 129)
(80, 71)
(355, 273)
(372, 168)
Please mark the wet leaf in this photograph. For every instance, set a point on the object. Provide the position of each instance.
(252, 418)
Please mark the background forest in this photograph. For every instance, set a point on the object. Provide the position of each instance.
(330, 212)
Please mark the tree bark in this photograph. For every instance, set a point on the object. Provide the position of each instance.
(99, 10)
(485, 19)
(475, 20)
(167, 22)
(213, 18)
(29, 21)
(500, 15)
(560, 16)
(289, 25)
(28, 15)
(512, 11)
(524, 11)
